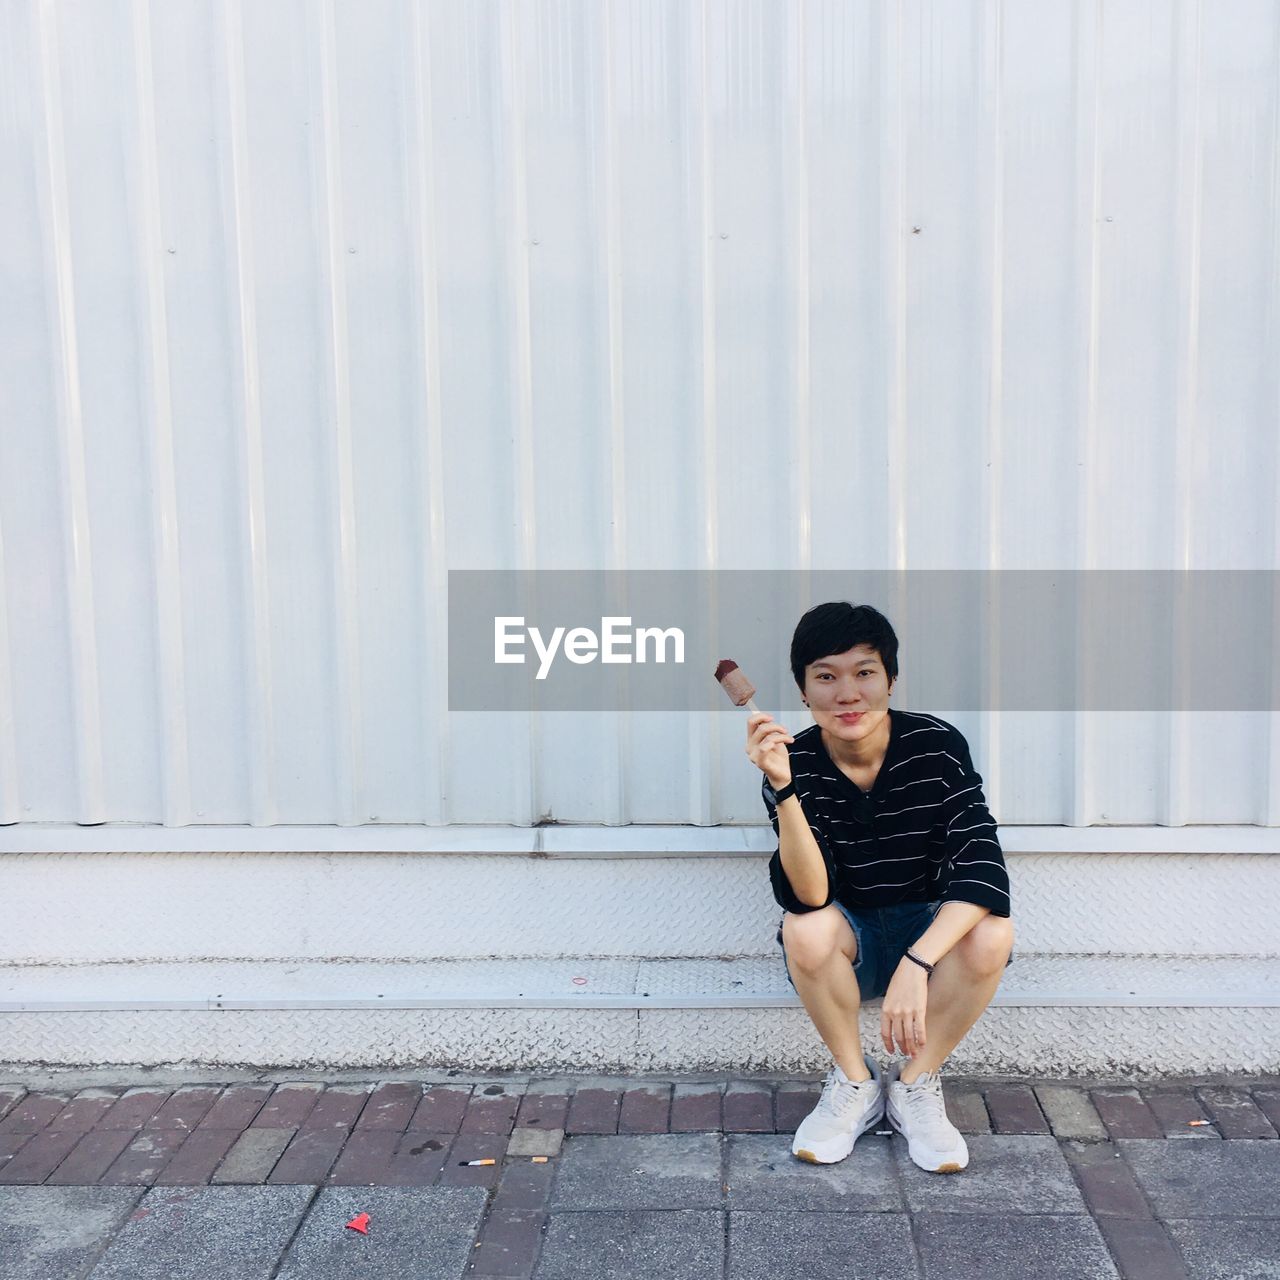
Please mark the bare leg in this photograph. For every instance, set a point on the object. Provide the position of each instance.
(961, 987)
(825, 982)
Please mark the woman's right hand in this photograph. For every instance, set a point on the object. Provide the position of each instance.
(766, 748)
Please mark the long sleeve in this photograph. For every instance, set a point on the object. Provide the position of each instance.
(975, 868)
(783, 893)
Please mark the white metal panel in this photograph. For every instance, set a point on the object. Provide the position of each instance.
(305, 304)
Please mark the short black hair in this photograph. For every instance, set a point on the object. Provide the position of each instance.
(837, 627)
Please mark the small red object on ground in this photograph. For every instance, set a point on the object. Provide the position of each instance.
(360, 1223)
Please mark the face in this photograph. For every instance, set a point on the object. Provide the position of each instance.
(848, 693)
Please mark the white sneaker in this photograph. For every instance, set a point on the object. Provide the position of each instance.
(846, 1110)
(917, 1111)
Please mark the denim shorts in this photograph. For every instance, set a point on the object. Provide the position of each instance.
(884, 934)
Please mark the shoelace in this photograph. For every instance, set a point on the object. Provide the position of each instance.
(923, 1098)
(839, 1098)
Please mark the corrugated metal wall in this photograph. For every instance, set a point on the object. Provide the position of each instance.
(305, 304)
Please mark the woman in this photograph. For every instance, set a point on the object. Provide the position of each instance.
(892, 879)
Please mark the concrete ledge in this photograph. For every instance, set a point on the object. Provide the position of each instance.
(742, 982)
(586, 841)
(1063, 1042)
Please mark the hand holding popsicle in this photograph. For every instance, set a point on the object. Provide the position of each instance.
(766, 740)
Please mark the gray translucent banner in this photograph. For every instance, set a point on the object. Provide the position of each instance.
(1007, 640)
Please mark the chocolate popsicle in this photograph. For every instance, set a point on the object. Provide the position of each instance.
(736, 685)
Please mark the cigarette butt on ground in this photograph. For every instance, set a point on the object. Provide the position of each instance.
(537, 1159)
(487, 1160)
(1197, 1122)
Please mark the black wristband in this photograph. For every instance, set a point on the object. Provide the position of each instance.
(924, 964)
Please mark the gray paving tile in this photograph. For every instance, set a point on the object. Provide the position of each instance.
(253, 1156)
(1235, 1179)
(415, 1233)
(1047, 1246)
(842, 1246)
(193, 1233)
(1227, 1248)
(1007, 1173)
(535, 1142)
(58, 1233)
(682, 1244)
(639, 1171)
(763, 1174)
(1070, 1112)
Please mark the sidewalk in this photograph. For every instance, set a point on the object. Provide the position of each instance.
(249, 1176)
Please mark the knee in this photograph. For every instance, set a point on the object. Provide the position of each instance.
(985, 948)
(813, 937)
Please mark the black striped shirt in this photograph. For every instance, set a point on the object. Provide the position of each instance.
(922, 833)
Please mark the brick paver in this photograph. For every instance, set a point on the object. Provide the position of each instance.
(235, 1107)
(418, 1160)
(524, 1185)
(1141, 1249)
(442, 1107)
(409, 1134)
(200, 1154)
(338, 1107)
(1268, 1102)
(490, 1110)
(645, 1109)
(966, 1108)
(594, 1110)
(309, 1156)
(508, 1242)
(287, 1107)
(390, 1107)
(33, 1112)
(39, 1156)
(133, 1108)
(1014, 1109)
(184, 1108)
(545, 1105)
(90, 1158)
(364, 1158)
(695, 1107)
(1106, 1181)
(147, 1155)
(747, 1107)
(473, 1146)
(85, 1110)
(791, 1103)
(1235, 1113)
(1175, 1109)
(1125, 1114)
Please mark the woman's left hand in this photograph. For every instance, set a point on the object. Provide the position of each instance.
(902, 1016)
